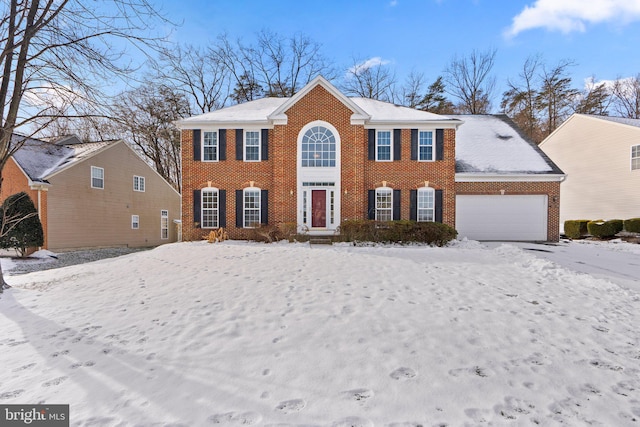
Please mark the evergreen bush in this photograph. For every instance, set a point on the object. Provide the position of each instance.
(432, 233)
(632, 225)
(21, 228)
(576, 228)
(605, 229)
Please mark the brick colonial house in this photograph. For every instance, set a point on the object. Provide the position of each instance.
(320, 157)
(94, 194)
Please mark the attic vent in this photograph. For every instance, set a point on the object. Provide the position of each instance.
(504, 137)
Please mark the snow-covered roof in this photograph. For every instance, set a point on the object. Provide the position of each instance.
(622, 120)
(494, 144)
(270, 110)
(40, 159)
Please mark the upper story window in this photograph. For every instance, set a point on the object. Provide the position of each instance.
(384, 204)
(635, 157)
(138, 183)
(210, 146)
(209, 207)
(97, 177)
(318, 148)
(251, 207)
(252, 146)
(426, 205)
(425, 145)
(383, 145)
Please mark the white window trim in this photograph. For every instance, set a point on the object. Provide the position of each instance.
(162, 223)
(390, 191)
(433, 145)
(101, 169)
(202, 208)
(637, 146)
(135, 222)
(390, 145)
(217, 132)
(244, 210)
(140, 180)
(432, 209)
(244, 145)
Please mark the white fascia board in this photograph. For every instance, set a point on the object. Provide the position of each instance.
(449, 124)
(264, 124)
(39, 185)
(516, 177)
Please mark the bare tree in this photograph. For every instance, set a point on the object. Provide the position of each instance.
(370, 79)
(626, 97)
(411, 92)
(520, 100)
(144, 117)
(555, 95)
(197, 73)
(470, 81)
(56, 53)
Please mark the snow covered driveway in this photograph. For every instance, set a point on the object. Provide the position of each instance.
(194, 334)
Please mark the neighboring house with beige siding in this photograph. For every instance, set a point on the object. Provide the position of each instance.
(601, 157)
(97, 194)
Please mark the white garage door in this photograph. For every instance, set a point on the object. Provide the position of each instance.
(483, 217)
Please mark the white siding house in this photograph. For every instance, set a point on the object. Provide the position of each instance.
(601, 157)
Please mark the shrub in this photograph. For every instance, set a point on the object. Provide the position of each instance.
(266, 233)
(433, 233)
(632, 225)
(605, 229)
(21, 228)
(576, 228)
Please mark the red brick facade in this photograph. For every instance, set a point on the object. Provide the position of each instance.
(358, 174)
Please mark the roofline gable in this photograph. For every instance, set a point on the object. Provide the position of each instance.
(359, 115)
(91, 155)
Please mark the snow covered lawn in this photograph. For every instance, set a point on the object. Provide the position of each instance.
(194, 334)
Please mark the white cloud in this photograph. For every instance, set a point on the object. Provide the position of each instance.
(393, 3)
(365, 65)
(573, 15)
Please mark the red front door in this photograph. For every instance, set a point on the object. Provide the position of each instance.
(319, 208)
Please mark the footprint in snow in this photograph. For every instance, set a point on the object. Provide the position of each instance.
(246, 418)
(403, 374)
(11, 394)
(289, 406)
(353, 422)
(359, 394)
(55, 381)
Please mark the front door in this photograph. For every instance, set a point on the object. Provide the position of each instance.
(319, 208)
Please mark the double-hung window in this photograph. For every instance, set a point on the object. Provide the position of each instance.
(138, 183)
(425, 145)
(210, 146)
(251, 207)
(210, 205)
(635, 157)
(164, 224)
(97, 177)
(252, 146)
(384, 141)
(426, 205)
(384, 204)
(135, 222)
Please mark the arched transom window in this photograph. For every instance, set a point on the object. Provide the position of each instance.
(318, 148)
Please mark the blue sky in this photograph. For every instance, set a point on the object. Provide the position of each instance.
(601, 36)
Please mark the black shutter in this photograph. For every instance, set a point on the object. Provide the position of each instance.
(372, 144)
(396, 205)
(265, 144)
(397, 144)
(413, 205)
(438, 206)
(196, 208)
(239, 144)
(414, 144)
(222, 144)
(222, 208)
(439, 144)
(371, 205)
(264, 207)
(239, 209)
(196, 144)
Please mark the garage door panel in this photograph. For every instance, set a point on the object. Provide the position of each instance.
(512, 217)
